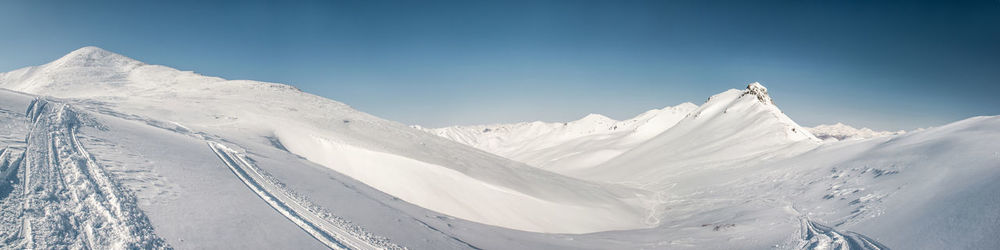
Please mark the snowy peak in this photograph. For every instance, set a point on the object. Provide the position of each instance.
(596, 118)
(731, 128)
(91, 56)
(591, 123)
(85, 72)
(91, 72)
(92, 52)
(758, 90)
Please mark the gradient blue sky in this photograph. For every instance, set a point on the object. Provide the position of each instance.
(895, 65)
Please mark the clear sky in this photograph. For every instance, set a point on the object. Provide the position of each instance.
(891, 65)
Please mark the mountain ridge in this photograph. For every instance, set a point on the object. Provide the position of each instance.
(732, 126)
(559, 146)
(523, 141)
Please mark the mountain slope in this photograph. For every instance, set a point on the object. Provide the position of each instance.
(732, 128)
(423, 169)
(930, 189)
(562, 147)
(741, 169)
(67, 202)
(193, 200)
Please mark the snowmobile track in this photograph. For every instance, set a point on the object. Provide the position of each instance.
(818, 236)
(330, 234)
(70, 201)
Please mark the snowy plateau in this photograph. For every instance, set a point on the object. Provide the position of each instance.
(100, 151)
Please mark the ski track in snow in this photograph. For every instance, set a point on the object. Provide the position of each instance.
(333, 234)
(816, 236)
(69, 201)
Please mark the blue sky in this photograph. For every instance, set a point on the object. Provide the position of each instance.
(892, 65)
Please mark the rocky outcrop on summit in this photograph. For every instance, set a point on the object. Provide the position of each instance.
(758, 90)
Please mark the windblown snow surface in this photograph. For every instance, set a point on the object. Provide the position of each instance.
(98, 150)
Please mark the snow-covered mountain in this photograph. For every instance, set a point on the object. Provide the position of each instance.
(568, 146)
(416, 167)
(842, 132)
(101, 151)
(737, 157)
(733, 128)
(736, 125)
